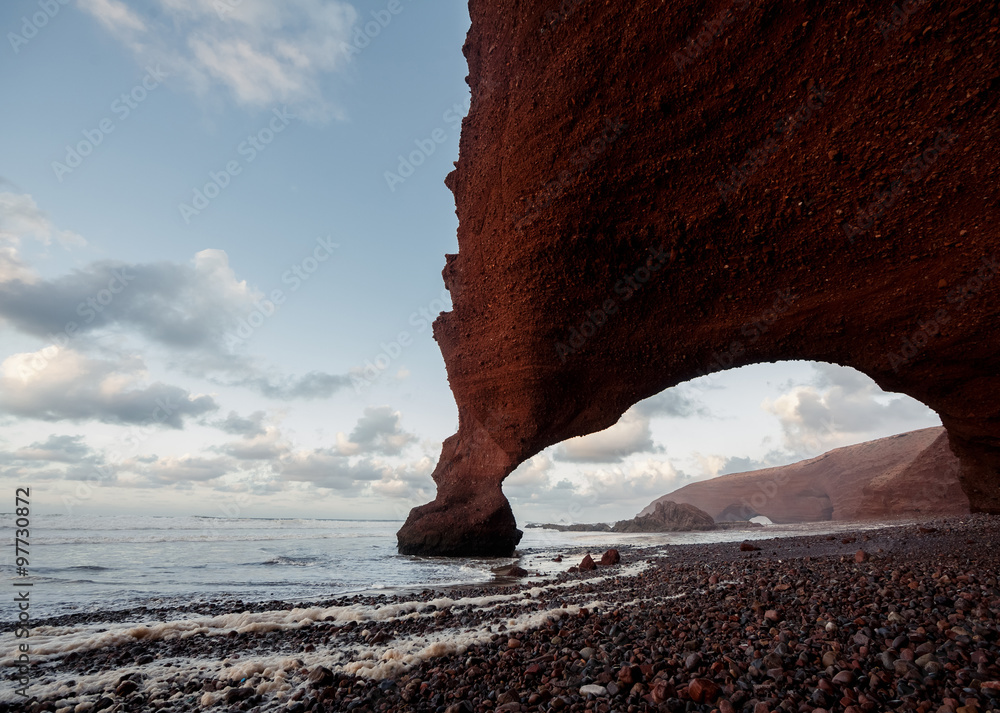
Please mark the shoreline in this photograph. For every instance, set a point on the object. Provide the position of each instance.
(656, 632)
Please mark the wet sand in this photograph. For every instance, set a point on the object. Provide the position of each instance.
(900, 618)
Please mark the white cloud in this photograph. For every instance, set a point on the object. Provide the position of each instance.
(674, 403)
(114, 15)
(21, 218)
(61, 384)
(252, 425)
(181, 305)
(56, 449)
(266, 446)
(184, 469)
(530, 476)
(635, 483)
(378, 431)
(327, 468)
(710, 465)
(199, 309)
(540, 491)
(263, 53)
(407, 485)
(842, 406)
(612, 445)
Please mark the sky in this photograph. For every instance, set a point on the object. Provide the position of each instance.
(222, 229)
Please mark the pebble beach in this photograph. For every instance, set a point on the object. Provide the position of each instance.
(900, 618)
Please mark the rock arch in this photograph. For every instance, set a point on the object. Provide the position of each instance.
(651, 191)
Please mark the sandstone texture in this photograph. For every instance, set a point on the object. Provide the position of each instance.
(668, 516)
(913, 474)
(652, 191)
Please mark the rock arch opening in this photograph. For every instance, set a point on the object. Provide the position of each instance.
(790, 442)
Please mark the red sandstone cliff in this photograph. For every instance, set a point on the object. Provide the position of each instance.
(909, 475)
(650, 191)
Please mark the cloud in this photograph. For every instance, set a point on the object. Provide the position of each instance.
(56, 449)
(328, 468)
(314, 385)
(59, 457)
(187, 306)
(20, 218)
(531, 476)
(406, 485)
(612, 445)
(267, 446)
(173, 470)
(600, 495)
(115, 16)
(262, 53)
(710, 465)
(250, 426)
(74, 387)
(637, 483)
(841, 406)
(34, 461)
(195, 309)
(378, 431)
(632, 433)
(557, 501)
(735, 464)
(674, 403)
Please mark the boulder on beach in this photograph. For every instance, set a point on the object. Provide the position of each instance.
(668, 516)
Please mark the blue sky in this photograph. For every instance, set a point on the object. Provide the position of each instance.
(222, 228)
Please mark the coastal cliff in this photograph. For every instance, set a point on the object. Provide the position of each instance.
(649, 192)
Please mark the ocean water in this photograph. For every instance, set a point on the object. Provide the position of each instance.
(91, 563)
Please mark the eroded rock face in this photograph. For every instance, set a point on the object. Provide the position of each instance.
(802, 181)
